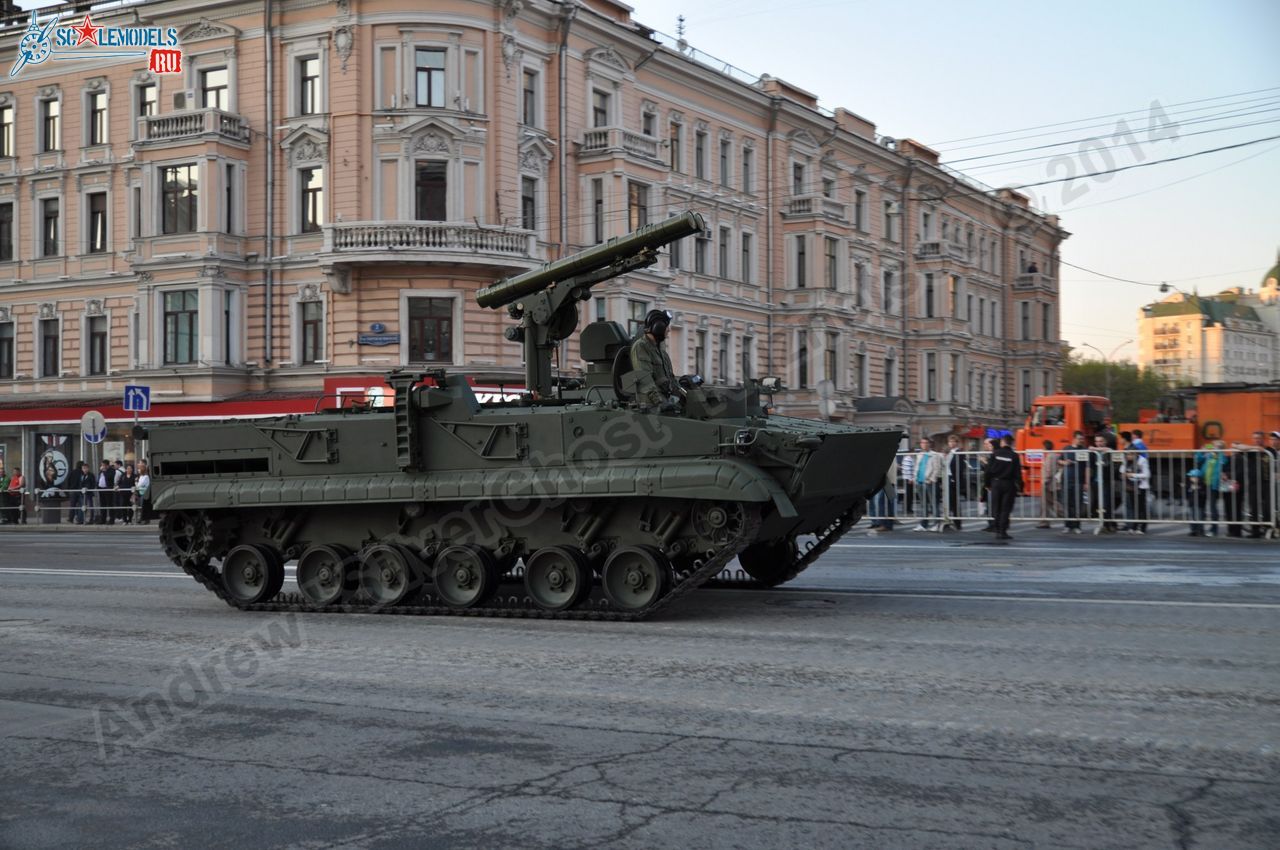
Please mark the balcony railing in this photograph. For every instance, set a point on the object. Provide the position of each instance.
(1034, 280)
(1163, 330)
(176, 126)
(429, 236)
(935, 249)
(817, 205)
(603, 140)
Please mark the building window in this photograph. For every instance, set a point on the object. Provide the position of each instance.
(429, 76)
(96, 117)
(859, 210)
(995, 328)
(308, 85)
(886, 292)
(722, 358)
(928, 295)
(6, 131)
(178, 199)
(215, 89)
(701, 248)
(597, 211)
(953, 385)
(600, 103)
(529, 203)
(6, 350)
(50, 349)
(748, 169)
(748, 358)
(97, 223)
(968, 308)
(98, 345)
(700, 155)
(226, 327)
(181, 331)
(723, 267)
(430, 191)
(725, 146)
(229, 191)
(828, 187)
(889, 214)
(311, 194)
(676, 254)
(745, 272)
(832, 262)
(953, 302)
(675, 136)
(797, 178)
(859, 378)
(136, 221)
(529, 99)
(700, 353)
(802, 359)
(600, 310)
(147, 99)
(430, 330)
(859, 281)
(890, 374)
(1046, 321)
(931, 377)
(802, 261)
(50, 240)
(982, 316)
(1048, 383)
(637, 205)
(647, 122)
(6, 232)
(50, 125)
(830, 357)
(636, 311)
(312, 332)
(1026, 390)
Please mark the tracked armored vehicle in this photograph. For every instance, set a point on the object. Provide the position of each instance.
(571, 502)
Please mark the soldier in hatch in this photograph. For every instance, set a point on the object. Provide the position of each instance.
(657, 384)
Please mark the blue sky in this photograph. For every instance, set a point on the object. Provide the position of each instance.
(941, 71)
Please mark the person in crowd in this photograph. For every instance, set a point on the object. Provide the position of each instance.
(13, 497)
(143, 490)
(79, 482)
(1050, 482)
(1252, 469)
(1102, 481)
(1137, 473)
(1074, 463)
(1140, 445)
(1209, 460)
(955, 482)
(906, 473)
(1004, 479)
(928, 474)
(984, 498)
(1196, 501)
(1230, 487)
(128, 480)
(106, 479)
(882, 501)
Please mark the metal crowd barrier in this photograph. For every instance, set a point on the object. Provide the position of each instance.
(78, 507)
(1213, 492)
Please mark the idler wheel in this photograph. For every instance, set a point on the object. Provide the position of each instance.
(771, 562)
(251, 574)
(557, 577)
(635, 577)
(325, 575)
(386, 575)
(464, 576)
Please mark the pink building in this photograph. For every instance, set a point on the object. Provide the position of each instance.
(321, 189)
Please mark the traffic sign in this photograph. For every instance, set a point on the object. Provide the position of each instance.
(137, 398)
(93, 426)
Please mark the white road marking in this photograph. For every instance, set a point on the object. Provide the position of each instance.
(968, 597)
(1035, 550)
(110, 573)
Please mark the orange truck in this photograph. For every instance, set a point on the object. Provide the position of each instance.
(1056, 418)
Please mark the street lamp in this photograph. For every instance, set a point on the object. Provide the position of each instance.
(1106, 361)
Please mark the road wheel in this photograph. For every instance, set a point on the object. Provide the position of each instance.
(251, 575)
(464, 576)
(325, 575)
(772, 562)
(557, 577)
(635, 577)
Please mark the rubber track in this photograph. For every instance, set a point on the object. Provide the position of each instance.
(512, 606)
(812, 551)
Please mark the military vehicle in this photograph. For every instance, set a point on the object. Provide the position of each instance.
(575, 501)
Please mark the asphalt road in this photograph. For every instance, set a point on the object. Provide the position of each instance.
(913, 691)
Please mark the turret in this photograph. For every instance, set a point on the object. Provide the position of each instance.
(545, 300)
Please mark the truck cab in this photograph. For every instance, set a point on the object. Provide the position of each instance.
(1057, 418)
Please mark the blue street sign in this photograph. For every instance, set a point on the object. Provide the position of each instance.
(137, 398)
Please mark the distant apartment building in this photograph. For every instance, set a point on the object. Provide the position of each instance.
(316, 197)
(1228, 337)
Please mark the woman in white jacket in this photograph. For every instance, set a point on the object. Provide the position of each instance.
(1137, 475)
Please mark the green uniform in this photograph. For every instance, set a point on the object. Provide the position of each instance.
(659, 381)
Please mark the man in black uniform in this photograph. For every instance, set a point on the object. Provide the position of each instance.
(1004, 477)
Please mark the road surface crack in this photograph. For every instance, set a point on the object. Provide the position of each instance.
(1182, 821)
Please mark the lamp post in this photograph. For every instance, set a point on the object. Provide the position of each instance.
(1106, 361)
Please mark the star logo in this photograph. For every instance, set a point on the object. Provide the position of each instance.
(87, 32)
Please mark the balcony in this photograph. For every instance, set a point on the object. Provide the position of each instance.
(816, 206)
(352, 243)
(1165, 330)
(1031, 281)
(940, 250)
(197, 124)
(612, 141)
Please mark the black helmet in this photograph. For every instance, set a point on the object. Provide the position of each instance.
(654, 318)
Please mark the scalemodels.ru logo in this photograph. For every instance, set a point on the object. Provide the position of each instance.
(87, 40)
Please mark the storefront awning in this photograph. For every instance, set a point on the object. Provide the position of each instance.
(240, 407)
